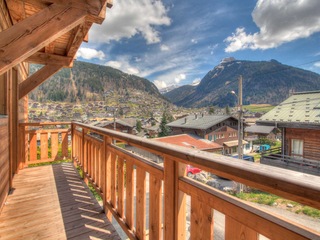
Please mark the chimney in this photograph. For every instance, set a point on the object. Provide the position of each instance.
(202, 114)
(185, 120)
(195, 116)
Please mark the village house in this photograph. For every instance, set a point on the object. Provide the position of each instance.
(298, 118)
(221, 129)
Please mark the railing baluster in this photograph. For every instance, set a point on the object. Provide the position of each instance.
(155, 208)
(44, 145)
(120, 187)
(54, 145)
(33, 146)
(129, 193)
(108, 170)
(201, 220)
(235, 230)
(113, 180)
(64, 144)
(141, 203)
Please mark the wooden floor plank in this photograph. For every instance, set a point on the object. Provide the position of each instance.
(52, 202)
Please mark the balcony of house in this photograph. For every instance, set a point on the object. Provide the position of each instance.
(148, 200)
(275, 157)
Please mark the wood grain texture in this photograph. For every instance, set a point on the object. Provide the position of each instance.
(129, 194)
(141, 204)
(44, 146)
(38, 31)
(155, 209)
(238, 231)
(201, 220)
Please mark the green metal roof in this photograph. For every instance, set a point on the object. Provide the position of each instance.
(301, 108)
(201, 122)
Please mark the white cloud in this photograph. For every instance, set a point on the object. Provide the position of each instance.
(164, 48)
(130, 17)
(160, 84)
(180, 77)
(317, 64)
(279, 21)
(114, 64)
(90, 53)
(123, 64)
(194, 41)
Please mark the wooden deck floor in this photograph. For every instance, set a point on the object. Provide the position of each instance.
(52, 202)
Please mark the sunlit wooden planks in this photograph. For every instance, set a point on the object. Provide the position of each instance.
(53, 204)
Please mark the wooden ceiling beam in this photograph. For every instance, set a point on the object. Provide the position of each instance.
(46, 58)
(37, 78)
(93, 7)
(27, 37)
(78, 38)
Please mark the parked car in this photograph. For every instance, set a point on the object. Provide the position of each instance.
(192, 170)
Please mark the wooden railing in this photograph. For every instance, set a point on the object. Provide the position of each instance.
(275, 158)
(136, 191)
(44, 142)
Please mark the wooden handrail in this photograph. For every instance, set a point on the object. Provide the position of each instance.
(115, 172)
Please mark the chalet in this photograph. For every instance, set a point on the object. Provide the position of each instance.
(268, 132)
(221, 129)
(298, 118)
(53, 202)
(125, 125)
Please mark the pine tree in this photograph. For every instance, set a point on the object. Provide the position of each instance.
(165, 130)
(139, 126)
(227, 110)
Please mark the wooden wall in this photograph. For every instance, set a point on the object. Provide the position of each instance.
(311, 142)
(12, 112)
(4, 160)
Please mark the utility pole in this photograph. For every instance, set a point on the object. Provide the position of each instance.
(240, 126)
(240, 123)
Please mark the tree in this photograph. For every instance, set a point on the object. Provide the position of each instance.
(227, 110)
(164, 129)
(211, 110)
(139, 126)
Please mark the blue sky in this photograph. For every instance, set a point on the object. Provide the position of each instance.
(174, 42)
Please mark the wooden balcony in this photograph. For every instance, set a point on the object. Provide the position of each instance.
(149, 201)
(274, 157)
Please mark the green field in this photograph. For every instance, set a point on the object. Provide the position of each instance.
(262, 108)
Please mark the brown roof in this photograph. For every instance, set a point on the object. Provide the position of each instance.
(186, 140)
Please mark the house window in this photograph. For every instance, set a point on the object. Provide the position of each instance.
(222, 135)
(3, 94)
(297, 148)
(210, 137)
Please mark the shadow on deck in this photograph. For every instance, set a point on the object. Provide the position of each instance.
(52, 202)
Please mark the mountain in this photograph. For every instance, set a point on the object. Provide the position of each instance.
(91, 82)
(263, 82)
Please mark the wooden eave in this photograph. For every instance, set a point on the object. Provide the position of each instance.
(47, 32)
